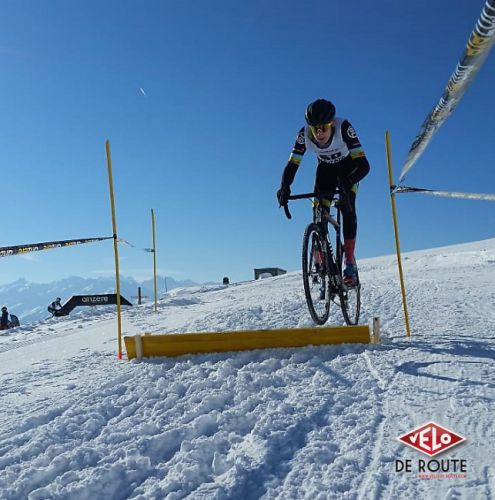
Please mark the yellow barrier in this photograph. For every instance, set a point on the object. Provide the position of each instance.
(179, 344)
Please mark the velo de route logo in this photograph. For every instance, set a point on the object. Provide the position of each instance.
(432, 439)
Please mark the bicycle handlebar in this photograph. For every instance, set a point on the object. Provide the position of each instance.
(287, 211)
(305, 196)
(312, 195)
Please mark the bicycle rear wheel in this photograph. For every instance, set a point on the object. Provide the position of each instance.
(315, 274)
(350, 296)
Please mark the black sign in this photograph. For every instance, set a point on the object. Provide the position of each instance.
(91, 300)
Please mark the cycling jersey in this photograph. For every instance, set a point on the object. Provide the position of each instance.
(341, 157)
(343, 142)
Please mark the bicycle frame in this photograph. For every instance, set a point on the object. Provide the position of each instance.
(335, 201)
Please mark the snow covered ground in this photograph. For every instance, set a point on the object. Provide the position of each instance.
(312, 423)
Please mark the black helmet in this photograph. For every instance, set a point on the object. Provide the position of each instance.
(58, 299)
(320, 112)
(4, 308)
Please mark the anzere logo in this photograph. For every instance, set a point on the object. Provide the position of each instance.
(431, 439)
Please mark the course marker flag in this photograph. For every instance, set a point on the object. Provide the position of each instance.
(477, 49)
(448, 194)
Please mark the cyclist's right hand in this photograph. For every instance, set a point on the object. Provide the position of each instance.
(283, 195)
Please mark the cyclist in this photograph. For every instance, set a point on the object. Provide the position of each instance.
(340, 155)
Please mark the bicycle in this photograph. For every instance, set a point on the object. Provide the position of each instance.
(321, 266)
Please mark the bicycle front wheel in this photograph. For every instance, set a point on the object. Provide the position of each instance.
(350, 296)
(315, 274)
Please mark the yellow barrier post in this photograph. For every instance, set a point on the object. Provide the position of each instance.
(115, 248)
(154, 256)
(396, 231)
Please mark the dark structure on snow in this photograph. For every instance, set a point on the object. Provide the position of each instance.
(274, 271)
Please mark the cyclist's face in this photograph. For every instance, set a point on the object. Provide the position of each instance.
(322, 133)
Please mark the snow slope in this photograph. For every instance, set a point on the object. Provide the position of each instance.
(29, 301)
(316, 422)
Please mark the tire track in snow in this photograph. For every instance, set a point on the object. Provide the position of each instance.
(39, 340)
(58, 437)
(69, 329)
(370, 487)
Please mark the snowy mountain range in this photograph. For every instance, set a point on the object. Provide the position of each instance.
(29, 301)
(318, 422)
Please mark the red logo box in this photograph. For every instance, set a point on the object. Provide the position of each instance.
(431, 439)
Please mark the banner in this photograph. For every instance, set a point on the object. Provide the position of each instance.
(48, 245)
(477, 50)
(448, 194)
(90, 300)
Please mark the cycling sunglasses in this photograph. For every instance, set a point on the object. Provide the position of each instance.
(325, 127)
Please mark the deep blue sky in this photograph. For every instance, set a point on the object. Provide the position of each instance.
(226, 87)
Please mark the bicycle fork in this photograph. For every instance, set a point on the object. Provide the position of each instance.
(325, 267)
(333, 272)
(319, 259)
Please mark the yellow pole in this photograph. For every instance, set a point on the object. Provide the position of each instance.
(115, 249)
(396, 230)
(154, 255)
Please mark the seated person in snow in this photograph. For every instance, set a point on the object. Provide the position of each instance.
(14, 321)
(55, 307)
(4, 320)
